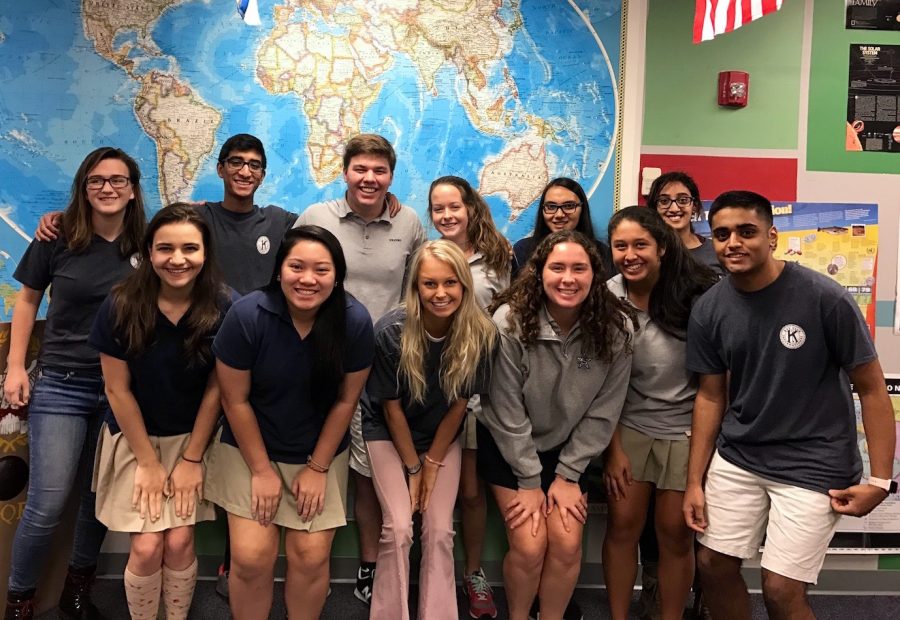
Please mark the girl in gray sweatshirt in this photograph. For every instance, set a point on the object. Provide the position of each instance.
(558, 383)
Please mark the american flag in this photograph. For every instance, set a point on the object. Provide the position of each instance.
(715, 17)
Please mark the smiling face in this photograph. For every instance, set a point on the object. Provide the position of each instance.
(675, 215)
(558, 196)
(440, 293)
(566, 277)
(368, 178)
(636, 253)
(241, 183)
(108, 201)
(307, 277)
(744, 242)
(449, 214)
(177, 255)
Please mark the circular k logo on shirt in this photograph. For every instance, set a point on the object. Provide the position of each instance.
(792, 336)
(263, 245)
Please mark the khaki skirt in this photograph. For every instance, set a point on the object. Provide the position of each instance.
(661, 462)
(228, 486)
(114, 469)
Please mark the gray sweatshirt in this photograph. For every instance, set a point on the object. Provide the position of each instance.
(551, 394)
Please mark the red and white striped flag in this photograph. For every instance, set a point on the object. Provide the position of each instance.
(715, 17)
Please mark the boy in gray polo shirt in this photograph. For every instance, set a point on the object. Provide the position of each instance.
(774, 431)
(377, 248)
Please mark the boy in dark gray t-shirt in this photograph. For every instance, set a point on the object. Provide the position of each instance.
(776, 346)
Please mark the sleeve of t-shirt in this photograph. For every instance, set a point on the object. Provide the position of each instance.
(384, 382)
(235, 344)
(482, 379)
(102, 336)
(35, 269)
(360, 344)
(702, 356)
(848, 335)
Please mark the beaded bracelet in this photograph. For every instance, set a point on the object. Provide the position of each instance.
(316, 467)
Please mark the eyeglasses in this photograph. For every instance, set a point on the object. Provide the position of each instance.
(115, 182)
(235, 164)
(567, 207)
(663, 202)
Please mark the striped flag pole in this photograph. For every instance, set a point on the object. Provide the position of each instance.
(249, 12)
(715, 17)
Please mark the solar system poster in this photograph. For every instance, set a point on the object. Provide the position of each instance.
(873, 98)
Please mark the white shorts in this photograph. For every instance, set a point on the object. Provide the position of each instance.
(359, 458)
(798, 523)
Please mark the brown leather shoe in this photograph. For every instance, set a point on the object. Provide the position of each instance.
(19, 606)
(75, 600)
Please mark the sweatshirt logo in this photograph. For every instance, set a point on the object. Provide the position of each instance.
(792, 336)
(584, 362)
(263, 245)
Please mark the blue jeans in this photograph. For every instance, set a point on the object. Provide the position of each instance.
(64, 419)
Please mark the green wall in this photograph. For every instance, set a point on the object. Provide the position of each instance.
(829, 71)
(680, 87)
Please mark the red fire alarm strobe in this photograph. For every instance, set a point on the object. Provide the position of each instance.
(734, 88)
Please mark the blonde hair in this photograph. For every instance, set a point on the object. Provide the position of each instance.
(471, 336)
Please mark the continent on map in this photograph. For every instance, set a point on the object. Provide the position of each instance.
(183, 127)
(332, 75)
(519, 173)
(8, 294)
(104, 19)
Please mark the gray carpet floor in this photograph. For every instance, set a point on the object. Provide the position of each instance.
(109, 596)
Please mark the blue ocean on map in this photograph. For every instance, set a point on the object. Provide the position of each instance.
(64, 94)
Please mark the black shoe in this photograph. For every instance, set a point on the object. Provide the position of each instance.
(19, 606)
(365, 578)
(75, 600)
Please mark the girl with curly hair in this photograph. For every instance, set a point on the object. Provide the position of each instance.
(558, 383)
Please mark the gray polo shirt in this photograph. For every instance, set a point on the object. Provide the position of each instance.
(661, 391)
(377, 252)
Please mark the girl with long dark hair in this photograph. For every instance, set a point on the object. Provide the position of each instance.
(647, 456)
(101, 231)
(292, 359)
(154, 333)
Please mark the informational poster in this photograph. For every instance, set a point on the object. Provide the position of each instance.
(873, 99)
(838, 240)
(886, 517)
(873, 14)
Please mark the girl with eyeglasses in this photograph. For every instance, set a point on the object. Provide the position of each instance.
(102, 228)
(647, 457)
(676, 198)
(563, 206)
(463, 217)
(559, 379)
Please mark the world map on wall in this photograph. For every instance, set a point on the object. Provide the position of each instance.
(505, 93)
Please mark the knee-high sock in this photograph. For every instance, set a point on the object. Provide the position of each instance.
(178, 590)
(142, 594)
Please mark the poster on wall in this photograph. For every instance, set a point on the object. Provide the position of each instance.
(873, 98)
(873, 14)
(838, 240)
(886, 517)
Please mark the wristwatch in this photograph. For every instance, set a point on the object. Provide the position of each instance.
(885, 484)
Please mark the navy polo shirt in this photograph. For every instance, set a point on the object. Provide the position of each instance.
(167, 388)
(258, 335)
